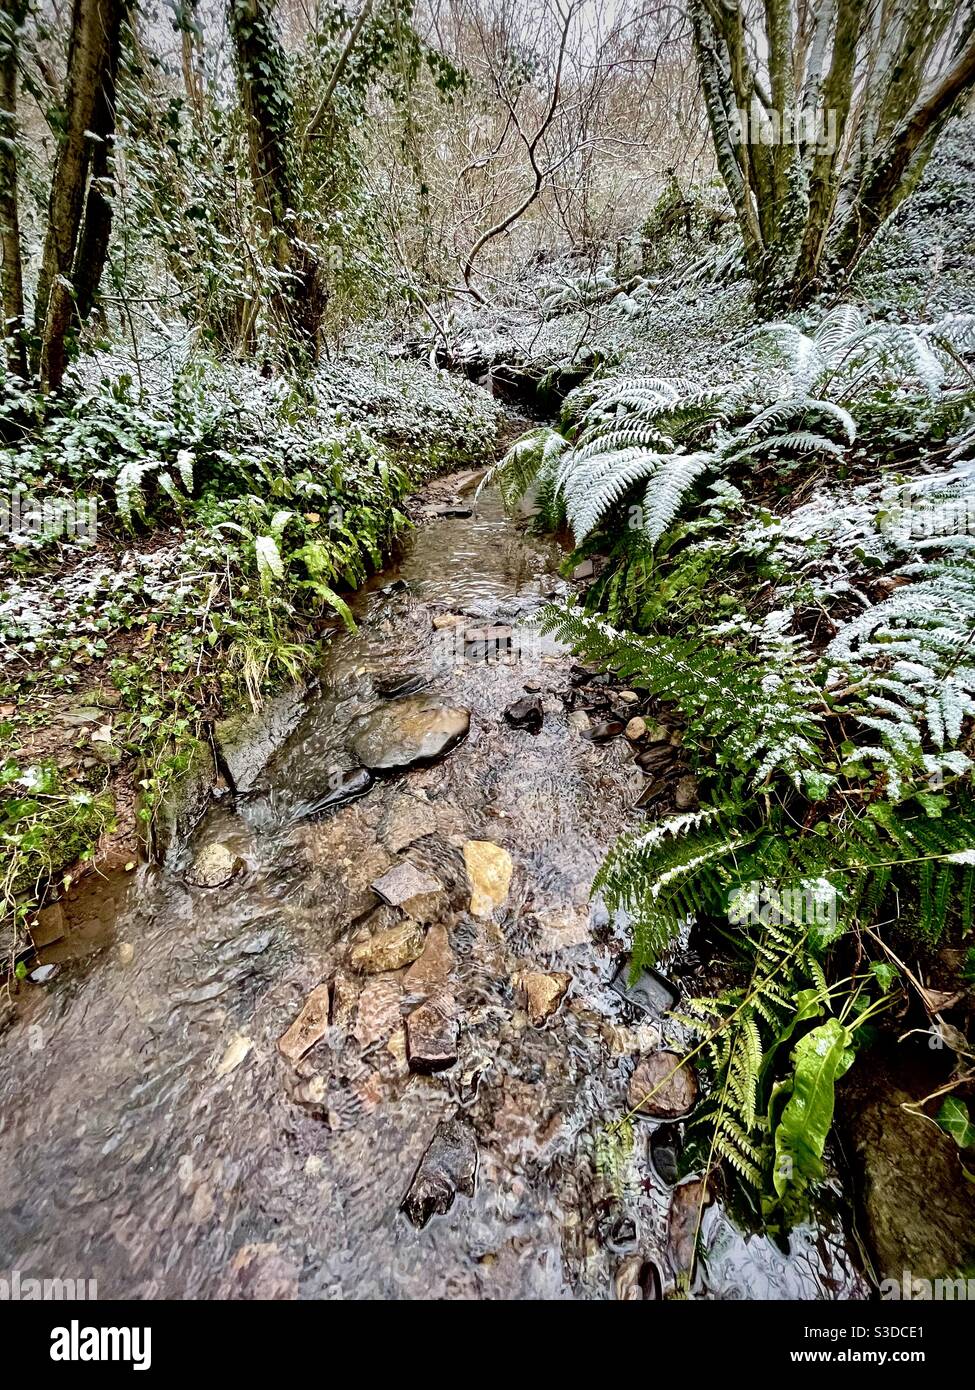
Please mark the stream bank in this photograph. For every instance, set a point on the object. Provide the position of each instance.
(184, 1139)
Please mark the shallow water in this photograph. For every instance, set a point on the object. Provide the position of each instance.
(152, 1136)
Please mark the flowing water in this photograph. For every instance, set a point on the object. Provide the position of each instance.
(153, 1137)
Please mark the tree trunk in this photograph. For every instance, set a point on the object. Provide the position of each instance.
(873, 83)
(12, 277)
(262, 78)
(93, 53)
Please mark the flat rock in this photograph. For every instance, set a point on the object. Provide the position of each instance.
(433, 968)
(489, 870)
(404, 881)
(545, 993)
(409, 819)
(447, 1167)
(214, 865)
(431, 1034)
(310, 1026)
(378, 1011)
(389, 949)
(650, 992)
(662, 1086)
(409, 731)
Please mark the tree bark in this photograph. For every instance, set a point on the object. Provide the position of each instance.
(262, 79)
(89, 109)
(12, 277)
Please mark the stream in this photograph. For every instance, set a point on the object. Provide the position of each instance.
(156, 1138)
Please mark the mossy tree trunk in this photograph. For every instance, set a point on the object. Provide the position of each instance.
(265, 99)
(12, 276)
(823, 116)
(79, 207)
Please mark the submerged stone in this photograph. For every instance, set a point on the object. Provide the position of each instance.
(545, 993)
(447, 1167)
(388, 950)
(489, 870)
(404, 881)
(649, 992)
(405, 732)
(308, 1028)
(214, 865)
(526, 714)
(431, 1034)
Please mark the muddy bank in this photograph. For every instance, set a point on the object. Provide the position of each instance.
(361, 1035)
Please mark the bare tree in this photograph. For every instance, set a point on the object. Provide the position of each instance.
(823, 114)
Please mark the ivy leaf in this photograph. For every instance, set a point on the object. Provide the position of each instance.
(954, 1120)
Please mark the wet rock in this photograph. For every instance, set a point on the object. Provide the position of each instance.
(345, 995)
(585, 570)
(433, 968)
(650, 992)
(50, 926)
(442, 621)
(447, 1167)
(403, 683)
(262, 1273)
(408, 819)
(349, 787)
(685, 794)
(431, 1034)
(427, 908)
(605, 730)
(919, 1209)
(404, 881)
(489, 870)
(405, 732)
(545, 993)
(655, 760)
(578, 719)
(526, 714)
(635, 729)
(257, 944)
(308, 1028)
(684, 1220)
(379, 1011)
(237, 1051)
(628, 697)
(390, 949)
(126, 953)
(214, 865)
(662, 1086)
(665, 1152)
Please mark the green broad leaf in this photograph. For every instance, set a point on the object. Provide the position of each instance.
(954, 1120)
(884, 973)
(817, 784)
(820, 1059)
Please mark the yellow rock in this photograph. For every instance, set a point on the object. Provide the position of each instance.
(489, 870)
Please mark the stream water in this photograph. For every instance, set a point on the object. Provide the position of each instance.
(153, 1137)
